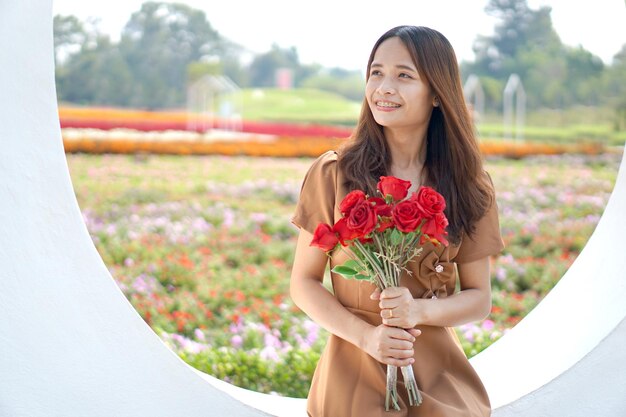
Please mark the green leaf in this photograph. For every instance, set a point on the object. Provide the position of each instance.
(361, 277)
(351, 263)
(396, 237)
(344, 270)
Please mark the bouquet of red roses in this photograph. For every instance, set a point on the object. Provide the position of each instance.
(383, 234)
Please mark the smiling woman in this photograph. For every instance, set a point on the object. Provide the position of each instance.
(413, 126)
(73, 345)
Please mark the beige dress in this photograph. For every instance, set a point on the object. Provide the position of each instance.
(350, 383)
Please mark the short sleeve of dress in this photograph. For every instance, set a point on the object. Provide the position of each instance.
(485, 241)
(317, 196)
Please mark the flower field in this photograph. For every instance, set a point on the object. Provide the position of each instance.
(155, 121)
(125, 131)
(202, 247)
(277, 144)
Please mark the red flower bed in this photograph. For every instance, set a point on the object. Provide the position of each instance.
(107, 119)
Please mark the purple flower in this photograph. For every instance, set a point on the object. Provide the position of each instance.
(258, 217)
(229, 218)
(488, 325)
(269, 353)
(500, 274)
(236, 341)
(199, 335)
(145, 284)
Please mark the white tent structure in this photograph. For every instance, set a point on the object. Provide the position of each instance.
(208, 93)
(474, 96)
(514, 87)
(72, 345)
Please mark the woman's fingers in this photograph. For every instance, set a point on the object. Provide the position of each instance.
(393, 346)
(390, 360)
(400, 334)
(400, 322)
(414, 332)
(400, 345)
(401, 353)
(395, 292)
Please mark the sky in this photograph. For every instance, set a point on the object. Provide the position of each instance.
(340, 33)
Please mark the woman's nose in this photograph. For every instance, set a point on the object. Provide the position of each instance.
(386, 87)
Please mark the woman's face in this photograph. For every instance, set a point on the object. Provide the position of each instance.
(397, 96)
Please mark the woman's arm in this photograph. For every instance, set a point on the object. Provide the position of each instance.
(387, 345)
(472, 303)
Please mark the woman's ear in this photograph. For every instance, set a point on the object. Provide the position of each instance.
(436, 101)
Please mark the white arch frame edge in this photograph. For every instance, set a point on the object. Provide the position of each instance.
(72, 345)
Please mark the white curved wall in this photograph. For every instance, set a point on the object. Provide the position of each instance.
(565, 354)
(72, 345)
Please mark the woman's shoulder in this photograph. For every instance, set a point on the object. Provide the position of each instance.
(323, 168)
(317, 194)
(326, 159)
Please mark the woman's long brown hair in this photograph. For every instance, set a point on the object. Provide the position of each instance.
(453, 160)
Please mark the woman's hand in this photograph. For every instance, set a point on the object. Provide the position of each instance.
(390, 345)
(398, 308)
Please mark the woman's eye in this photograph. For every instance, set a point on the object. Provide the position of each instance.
(404, 75)
(375, 72)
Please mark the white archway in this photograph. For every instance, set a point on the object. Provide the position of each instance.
(474, 96)
(515, 88)
(72, 345)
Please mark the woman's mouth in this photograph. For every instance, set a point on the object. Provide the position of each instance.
(386, 105)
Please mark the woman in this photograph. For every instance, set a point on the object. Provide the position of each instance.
(414, 125)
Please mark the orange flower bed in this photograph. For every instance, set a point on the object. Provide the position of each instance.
(521, 149)
(106, 113)
(284, 146)
(278, 147)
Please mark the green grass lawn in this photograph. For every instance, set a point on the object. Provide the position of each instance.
(314, 106)
(298, 105)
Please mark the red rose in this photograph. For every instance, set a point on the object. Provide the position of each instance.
(430, 201)
(343, 232)
(380, 206)
(385, 223)
(407, 215)
(324, 237)
(362, 218)
(435, 227)
(424, 239)
(350, 200)
(395, 187)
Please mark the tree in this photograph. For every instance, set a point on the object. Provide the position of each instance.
(97, 74)
(525, 42)
(349, 84)
(519, 29)
(69, 35)
(584, 76)
(89, 68)
(264, 66)
(615, 88)
(158, 43)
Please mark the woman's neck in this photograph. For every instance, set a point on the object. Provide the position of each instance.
(408, 152)
(408, 156)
